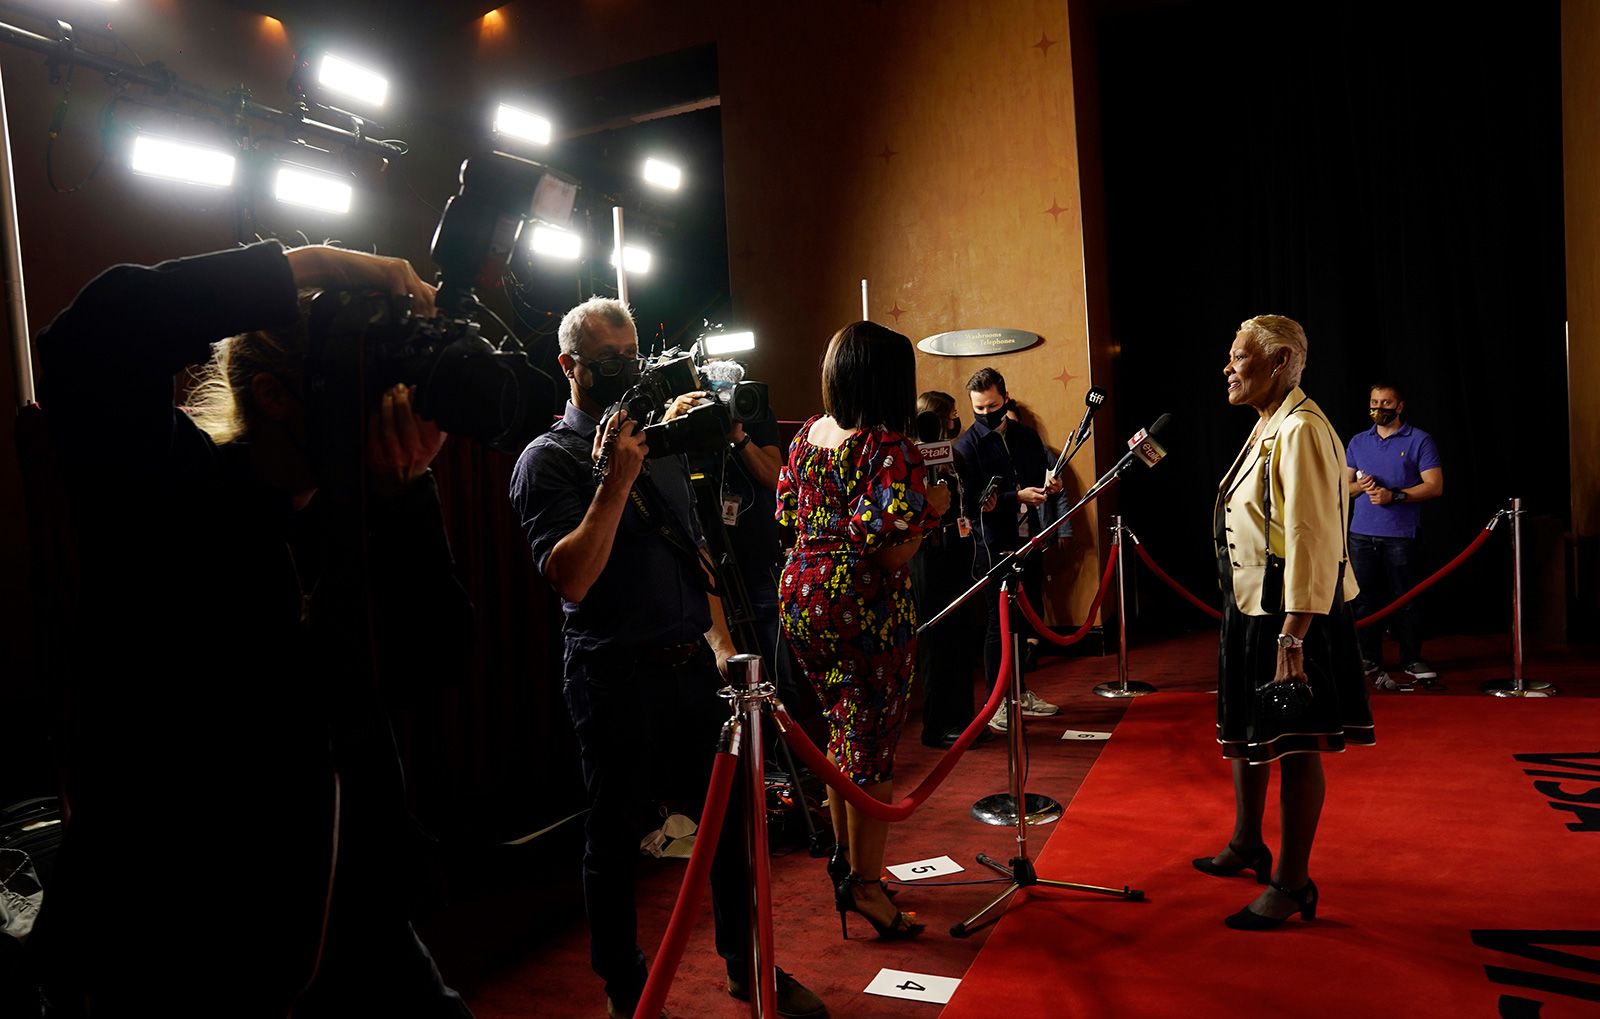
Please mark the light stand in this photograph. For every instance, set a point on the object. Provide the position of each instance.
(1124, 687)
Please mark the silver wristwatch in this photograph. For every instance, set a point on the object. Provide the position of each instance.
(1289, 642)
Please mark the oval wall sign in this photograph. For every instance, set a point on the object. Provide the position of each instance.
(977, 342)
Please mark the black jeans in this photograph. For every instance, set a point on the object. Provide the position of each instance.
(945, 654)
(647, 733)
(1385, 570)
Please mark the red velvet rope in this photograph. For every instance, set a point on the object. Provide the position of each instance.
(1365, 621)
(818, 762)
(1088, 623)
(1161, 574)
(694, 883)
(1399, 603)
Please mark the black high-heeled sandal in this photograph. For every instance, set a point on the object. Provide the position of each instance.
(901, 928)
(1306, 899)
(839, 869)
(1258, 859)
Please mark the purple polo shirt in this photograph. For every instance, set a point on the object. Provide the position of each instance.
(1396, 462)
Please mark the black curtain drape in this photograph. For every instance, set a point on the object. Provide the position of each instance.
(1389, 175)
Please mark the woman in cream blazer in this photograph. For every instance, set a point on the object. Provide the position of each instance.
(1280, 538)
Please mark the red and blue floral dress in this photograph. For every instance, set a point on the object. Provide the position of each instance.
(851, 622)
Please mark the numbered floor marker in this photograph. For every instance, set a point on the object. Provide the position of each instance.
(897, 983)
(919, 870)
(1083, 736)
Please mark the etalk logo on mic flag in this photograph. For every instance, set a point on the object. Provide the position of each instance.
(1148, 450)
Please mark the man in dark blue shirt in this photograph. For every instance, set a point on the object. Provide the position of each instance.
(1393, 467)
(644, 645)
(1004, 474)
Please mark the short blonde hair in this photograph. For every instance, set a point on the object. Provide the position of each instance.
(1272, 333)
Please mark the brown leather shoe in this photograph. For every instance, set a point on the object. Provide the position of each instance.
(795, 1000)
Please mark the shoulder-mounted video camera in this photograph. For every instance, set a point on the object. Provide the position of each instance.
(703, 428)
(361, 342)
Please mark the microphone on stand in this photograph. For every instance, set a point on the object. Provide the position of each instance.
(1093, 400)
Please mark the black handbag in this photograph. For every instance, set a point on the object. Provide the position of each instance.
(1283, 702)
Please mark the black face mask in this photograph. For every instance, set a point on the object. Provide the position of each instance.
(1383, 415)
(993, 418)
(952, 431)
(608, 389)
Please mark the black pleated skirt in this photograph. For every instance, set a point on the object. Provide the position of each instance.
(1339, 715)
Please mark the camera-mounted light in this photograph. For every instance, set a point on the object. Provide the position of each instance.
(169, 158)
(722, 344)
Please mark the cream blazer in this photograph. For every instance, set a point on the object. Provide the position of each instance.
(1297, 452)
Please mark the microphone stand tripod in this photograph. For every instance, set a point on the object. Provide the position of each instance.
(1002, 808)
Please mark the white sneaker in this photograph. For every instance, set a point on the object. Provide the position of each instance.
(998, 723)
(1034, 706)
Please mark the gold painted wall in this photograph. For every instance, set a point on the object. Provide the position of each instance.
(1580, 115)
(931, 149)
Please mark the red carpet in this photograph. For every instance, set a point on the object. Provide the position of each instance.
(1435, 833)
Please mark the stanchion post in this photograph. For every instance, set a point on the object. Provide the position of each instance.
(1124, 687)
(753, 694)
(1517, 686)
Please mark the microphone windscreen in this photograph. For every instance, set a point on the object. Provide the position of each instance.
(930, 427)
(1161, 425)
(1095, 397)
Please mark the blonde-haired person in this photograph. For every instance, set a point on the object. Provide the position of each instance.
(227, 664)
(1290, 684)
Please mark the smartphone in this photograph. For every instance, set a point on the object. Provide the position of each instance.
(989, 489)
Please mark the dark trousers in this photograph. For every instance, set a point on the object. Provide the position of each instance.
(1033, 586)
(1385, 569)
(647, 733)
(945, 653)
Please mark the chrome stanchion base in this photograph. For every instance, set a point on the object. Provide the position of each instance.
(1000, 810)
(1508, 688)
(1133, 689)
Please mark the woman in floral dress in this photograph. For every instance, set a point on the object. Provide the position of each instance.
(855, 492)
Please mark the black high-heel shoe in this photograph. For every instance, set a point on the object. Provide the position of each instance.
(1258, 860)
(901, 928)
(1248, 919)
(839, 869)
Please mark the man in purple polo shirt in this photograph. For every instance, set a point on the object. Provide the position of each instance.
(1393, 468)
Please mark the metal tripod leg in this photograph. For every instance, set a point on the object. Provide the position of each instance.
(1022, 875)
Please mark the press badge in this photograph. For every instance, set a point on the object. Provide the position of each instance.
(730, 510)
(964, 527)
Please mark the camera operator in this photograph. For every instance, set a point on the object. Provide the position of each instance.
(237, 827)
(644, 645)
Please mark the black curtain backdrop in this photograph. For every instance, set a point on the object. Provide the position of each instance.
(1389, 175)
